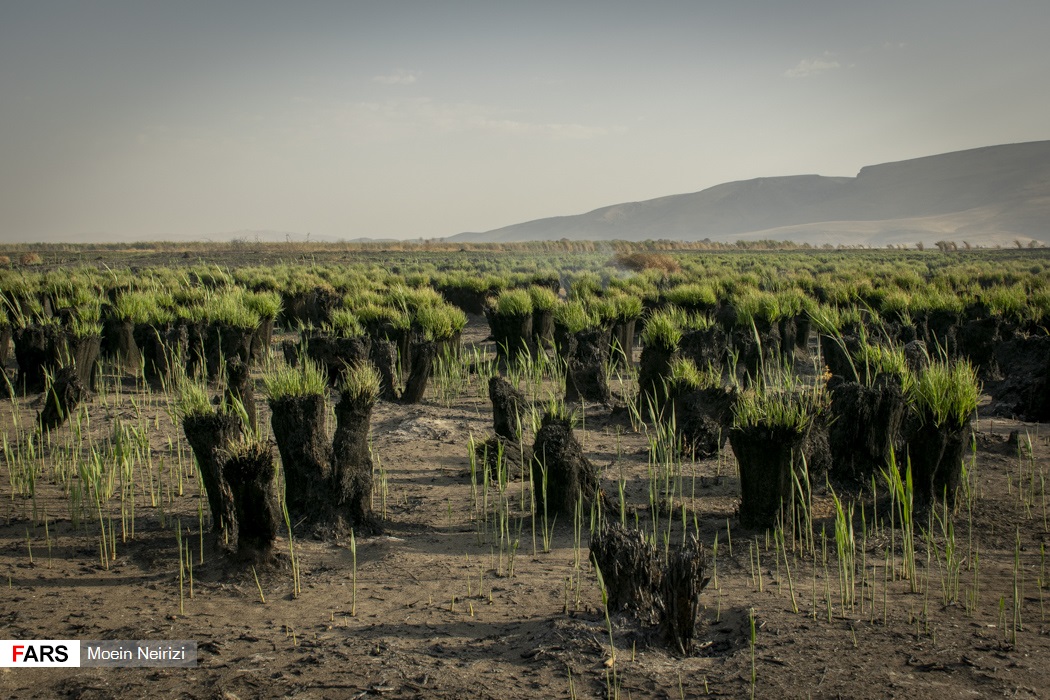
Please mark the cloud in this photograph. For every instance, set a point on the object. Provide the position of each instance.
(556, 130)
(812, 66)
(407, 117)
(398, 77)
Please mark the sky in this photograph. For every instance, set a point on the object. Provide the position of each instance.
(402, 119)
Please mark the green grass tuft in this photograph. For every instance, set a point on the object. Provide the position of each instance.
(230, 309)
(880, 359)
(361, 382)
(344, 324)
(662, 329)
(684, 372)
(628, 306)
(783, 403)
(574, 316)
(377, 315)
(701, 295)
(543, 299)
(306, 380)
(145, 307)
(192, 399)
(265, 304)
(946, 393)
(440, 322)
(513, 302)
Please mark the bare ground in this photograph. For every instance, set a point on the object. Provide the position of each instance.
(438, 614)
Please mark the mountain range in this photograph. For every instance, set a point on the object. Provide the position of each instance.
(984, 196)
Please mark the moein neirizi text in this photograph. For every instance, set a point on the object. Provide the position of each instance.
(172, 653)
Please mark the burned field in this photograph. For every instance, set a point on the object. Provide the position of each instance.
(491, 475)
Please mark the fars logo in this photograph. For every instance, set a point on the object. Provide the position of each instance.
(19, 653)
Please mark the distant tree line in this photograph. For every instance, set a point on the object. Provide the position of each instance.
(15, 251)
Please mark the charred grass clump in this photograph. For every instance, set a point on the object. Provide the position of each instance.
(703, 408)
(250, 474)
(351, 451)
(866, 414)
(210, 432)
(44, 345)
(944, 399)
(771, 423)
(587, 367)
(437, 326)
(544, 300)
(328, 487)
(298, 408)
(565, 475)
(510, 318)
(661, 336)
(571, 317)
(637, 579)
(626, 312)
(64, 393)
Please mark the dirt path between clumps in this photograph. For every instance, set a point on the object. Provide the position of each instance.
(437, 612)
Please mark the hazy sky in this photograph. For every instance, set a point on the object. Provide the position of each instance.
(406, 119)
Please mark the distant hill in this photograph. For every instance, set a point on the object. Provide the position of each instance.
(985, 196)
